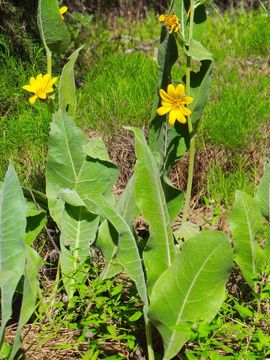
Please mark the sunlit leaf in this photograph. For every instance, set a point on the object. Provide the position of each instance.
(159, 251)
(245, 222)
(12, 241)
(53, 30)
(192, 289)
(30, 288)
(69, 165)
(263, 193)
(67, 87)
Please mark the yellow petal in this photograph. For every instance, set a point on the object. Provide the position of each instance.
(45, 81)
(164, 96)
(172, 117)
(49, 90)
(53, 80)
(171, 91)
(33, 83)
(186, 111)
(33, 99)
(39, 78)
(180, 117)
(32, 80)
(63, 9)
(28, 88)
(163, 110)
(187, 100)
(180, 91)
(161, 17)
(42, 96)
(166, 103)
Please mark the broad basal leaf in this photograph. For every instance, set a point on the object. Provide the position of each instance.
(192, 289)
(12, 242)
(52, 28)
(67, 87)
(128, 255)
(245, 222)
(69, 165)
(30, 288)
(36, 220)
(79, 228)
(263, 193)
(107, 240)
(159, 251)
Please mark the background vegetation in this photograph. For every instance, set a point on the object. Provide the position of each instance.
(116, 79)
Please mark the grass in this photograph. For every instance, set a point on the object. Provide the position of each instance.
(117, 89)
(116, 93)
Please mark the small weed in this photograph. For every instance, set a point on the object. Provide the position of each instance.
(104, 316)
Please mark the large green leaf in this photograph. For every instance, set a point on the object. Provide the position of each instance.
(199, 81)
(245, 222)
(30, 288)
(71, 165)
(128, 255)
(53, 30)
(263, 193)
(161, 136)
(107, 243)
(174, 198)
(12, 242)
(79, 228)
(107, 240)
(36, 220)
(192, 289)
(159, 251)
(67, 87)
(181, 9)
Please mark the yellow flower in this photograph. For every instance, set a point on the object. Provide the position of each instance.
(173, 102)
(40, 86)
(62, 10)
(171, 21)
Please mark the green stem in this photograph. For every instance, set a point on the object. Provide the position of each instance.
(190, 178)
(190, 128)
(148, 332)
(49, 60)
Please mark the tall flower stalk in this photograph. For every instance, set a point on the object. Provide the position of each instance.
(190, 127)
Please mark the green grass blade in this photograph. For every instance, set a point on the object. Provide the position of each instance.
(191, 290)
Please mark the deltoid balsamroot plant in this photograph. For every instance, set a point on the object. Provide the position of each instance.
(179, 283)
